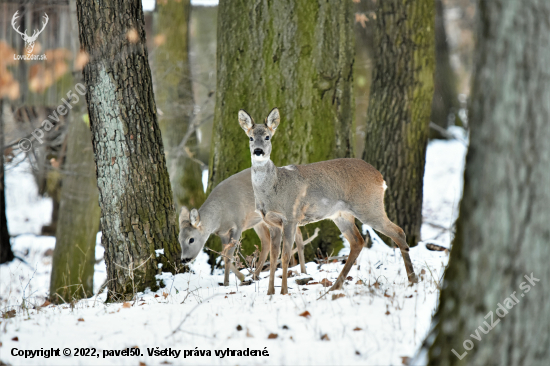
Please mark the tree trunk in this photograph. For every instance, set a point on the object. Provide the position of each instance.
(6, 254)
(445, 99)
(297, 56)
(502, 232)
(399, 108)
(362, 72)
(74, 254)
(174, 95)
(204, 22)
(137, 209)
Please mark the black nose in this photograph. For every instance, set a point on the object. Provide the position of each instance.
(185, 260)
(258, 152)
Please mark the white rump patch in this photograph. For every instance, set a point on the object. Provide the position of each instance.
(385, 186)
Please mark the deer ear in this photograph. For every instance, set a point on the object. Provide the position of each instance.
(245, 121)
(273, 120)
(184, 214)
(195, 218)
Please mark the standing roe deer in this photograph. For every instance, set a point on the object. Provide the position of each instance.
(339, 190)
(227, 212)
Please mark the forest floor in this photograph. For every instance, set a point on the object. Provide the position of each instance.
(377, 319)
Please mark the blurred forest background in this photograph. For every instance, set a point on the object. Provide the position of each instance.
(202, 144)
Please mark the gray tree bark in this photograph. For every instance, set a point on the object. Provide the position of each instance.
(137, 209)
(74, 254)
(297, 56)
(399, 107)
(502, 232)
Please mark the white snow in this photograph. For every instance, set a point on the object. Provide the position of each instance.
(27, 212)
(393, 317)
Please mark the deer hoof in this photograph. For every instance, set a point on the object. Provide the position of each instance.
(413, 278)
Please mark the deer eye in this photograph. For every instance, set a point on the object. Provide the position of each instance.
(267, 137)
(191, 241)
(251, 139)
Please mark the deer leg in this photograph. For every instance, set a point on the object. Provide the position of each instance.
(346, 224)
(289, 234)
(265, 237)
(274, 254)
(227, 261)
(229, 244)
(235, 238)
(230, 254)
(300, 247)
(292, 260)
(397, 234)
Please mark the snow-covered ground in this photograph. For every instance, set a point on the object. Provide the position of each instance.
(378, 320)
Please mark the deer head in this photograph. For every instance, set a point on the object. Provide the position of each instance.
(29, 40)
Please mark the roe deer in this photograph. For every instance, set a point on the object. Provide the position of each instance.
(339, 190)
(227, 212)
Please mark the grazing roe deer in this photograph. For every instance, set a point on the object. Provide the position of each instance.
(227, 212)
(339, 189)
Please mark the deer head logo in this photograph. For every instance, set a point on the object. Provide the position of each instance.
(29, 40)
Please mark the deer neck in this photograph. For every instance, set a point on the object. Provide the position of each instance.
(264, 175)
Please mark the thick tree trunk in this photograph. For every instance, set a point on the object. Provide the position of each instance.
(502, 232)
(174, 96)
(74, 254)
(6, 254)
(445, 99)
(294, 55)
(399, 107)
(137, 210)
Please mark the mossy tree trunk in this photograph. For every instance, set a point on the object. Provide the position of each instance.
(78, 224)
(74, 254)
(174, 96)
(400, 104)
(137, 209)
(6, 254)
(445, 99)
(502, 232)
(294, 55)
